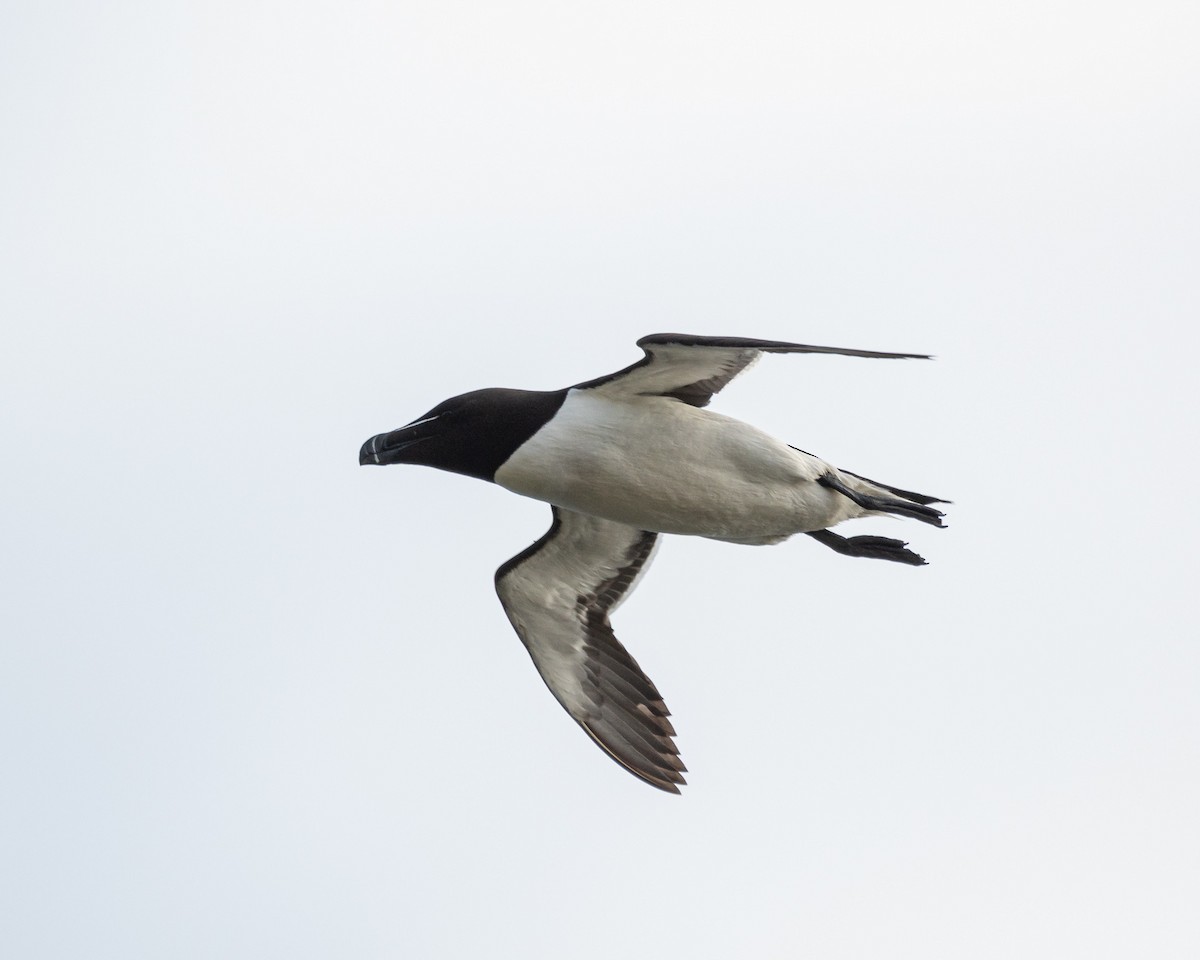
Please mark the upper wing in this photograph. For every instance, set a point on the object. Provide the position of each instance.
(558, 594)
(692, 369)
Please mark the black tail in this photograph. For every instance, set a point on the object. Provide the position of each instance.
(906, 494)
(913, 505)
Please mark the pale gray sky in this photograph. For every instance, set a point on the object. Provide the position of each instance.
(256, 701)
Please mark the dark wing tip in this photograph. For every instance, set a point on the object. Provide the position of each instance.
(768, 346)
(664, 772)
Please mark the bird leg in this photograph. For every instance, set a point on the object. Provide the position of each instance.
(878, 548)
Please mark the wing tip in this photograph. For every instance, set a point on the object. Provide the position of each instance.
(664, 772)
(665, 784)
(768, 346)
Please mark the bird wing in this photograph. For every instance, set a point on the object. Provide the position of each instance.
(692, 369)
(558, 594)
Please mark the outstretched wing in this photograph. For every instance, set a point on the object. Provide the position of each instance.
(692, 369)
(558, 594)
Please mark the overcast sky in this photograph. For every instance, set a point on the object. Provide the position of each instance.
(257, 701)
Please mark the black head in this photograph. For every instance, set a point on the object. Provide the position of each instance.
(471, 434)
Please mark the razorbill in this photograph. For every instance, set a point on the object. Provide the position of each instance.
(622, 459)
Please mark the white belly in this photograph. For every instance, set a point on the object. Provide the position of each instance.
(658, 464)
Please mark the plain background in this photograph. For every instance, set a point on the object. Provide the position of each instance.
(256, 701)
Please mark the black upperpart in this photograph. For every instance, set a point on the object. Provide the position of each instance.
(472, 434)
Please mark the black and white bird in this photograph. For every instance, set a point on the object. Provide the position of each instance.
(621, 460)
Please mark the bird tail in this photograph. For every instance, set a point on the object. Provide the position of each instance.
(906, 494)
(881, 498)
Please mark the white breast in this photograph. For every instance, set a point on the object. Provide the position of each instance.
(658, 464)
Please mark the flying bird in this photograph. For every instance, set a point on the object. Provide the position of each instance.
(621, 460)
